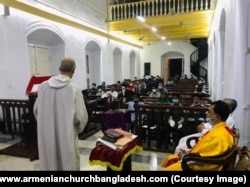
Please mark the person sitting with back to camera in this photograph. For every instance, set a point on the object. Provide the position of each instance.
(213, 143)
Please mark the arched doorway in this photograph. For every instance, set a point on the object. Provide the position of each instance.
(45, 49)
(93, 63)
(172, 63)
(117, 64)
(132, 65)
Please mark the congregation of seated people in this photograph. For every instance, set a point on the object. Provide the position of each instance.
(124, 91)
(140, 91)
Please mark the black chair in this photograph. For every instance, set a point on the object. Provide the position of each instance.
(227, 160)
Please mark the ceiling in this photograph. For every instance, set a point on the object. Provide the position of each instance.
(93, 14)
(173, 27)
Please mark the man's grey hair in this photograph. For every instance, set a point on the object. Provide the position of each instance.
(67, 65)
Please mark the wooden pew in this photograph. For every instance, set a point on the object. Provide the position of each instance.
(185, 100)
(157, 133)
(148, 99)
(18, 120)
(93, 125)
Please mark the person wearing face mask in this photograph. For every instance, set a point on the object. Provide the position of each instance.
(215, 142)
(161, 88)
(99, 91)
(171, 121)
(131, 87)
(154, 93)
(204, 128)
(176, 100)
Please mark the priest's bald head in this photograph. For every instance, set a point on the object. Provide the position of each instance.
(67, 66)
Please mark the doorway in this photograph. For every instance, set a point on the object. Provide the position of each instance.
(172, 63)
(175, 67)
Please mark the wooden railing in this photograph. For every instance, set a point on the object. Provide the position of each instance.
(157, 7)
(15, 117)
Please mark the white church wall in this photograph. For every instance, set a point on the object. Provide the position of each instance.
(234, 71)
(15, 58)
(152, 53)
(14, 71)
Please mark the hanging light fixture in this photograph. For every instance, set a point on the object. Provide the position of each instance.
(141, 18)
(154, 29)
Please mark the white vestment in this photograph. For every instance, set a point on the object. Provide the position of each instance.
(61, 115)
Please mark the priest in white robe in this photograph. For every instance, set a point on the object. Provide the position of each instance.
(61, 115)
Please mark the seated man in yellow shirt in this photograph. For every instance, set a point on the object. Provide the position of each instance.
(215, 142)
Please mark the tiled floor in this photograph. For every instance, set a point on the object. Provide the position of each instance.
(141, 161)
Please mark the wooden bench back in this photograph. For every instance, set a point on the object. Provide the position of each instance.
(15, 115)
(158, 114)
